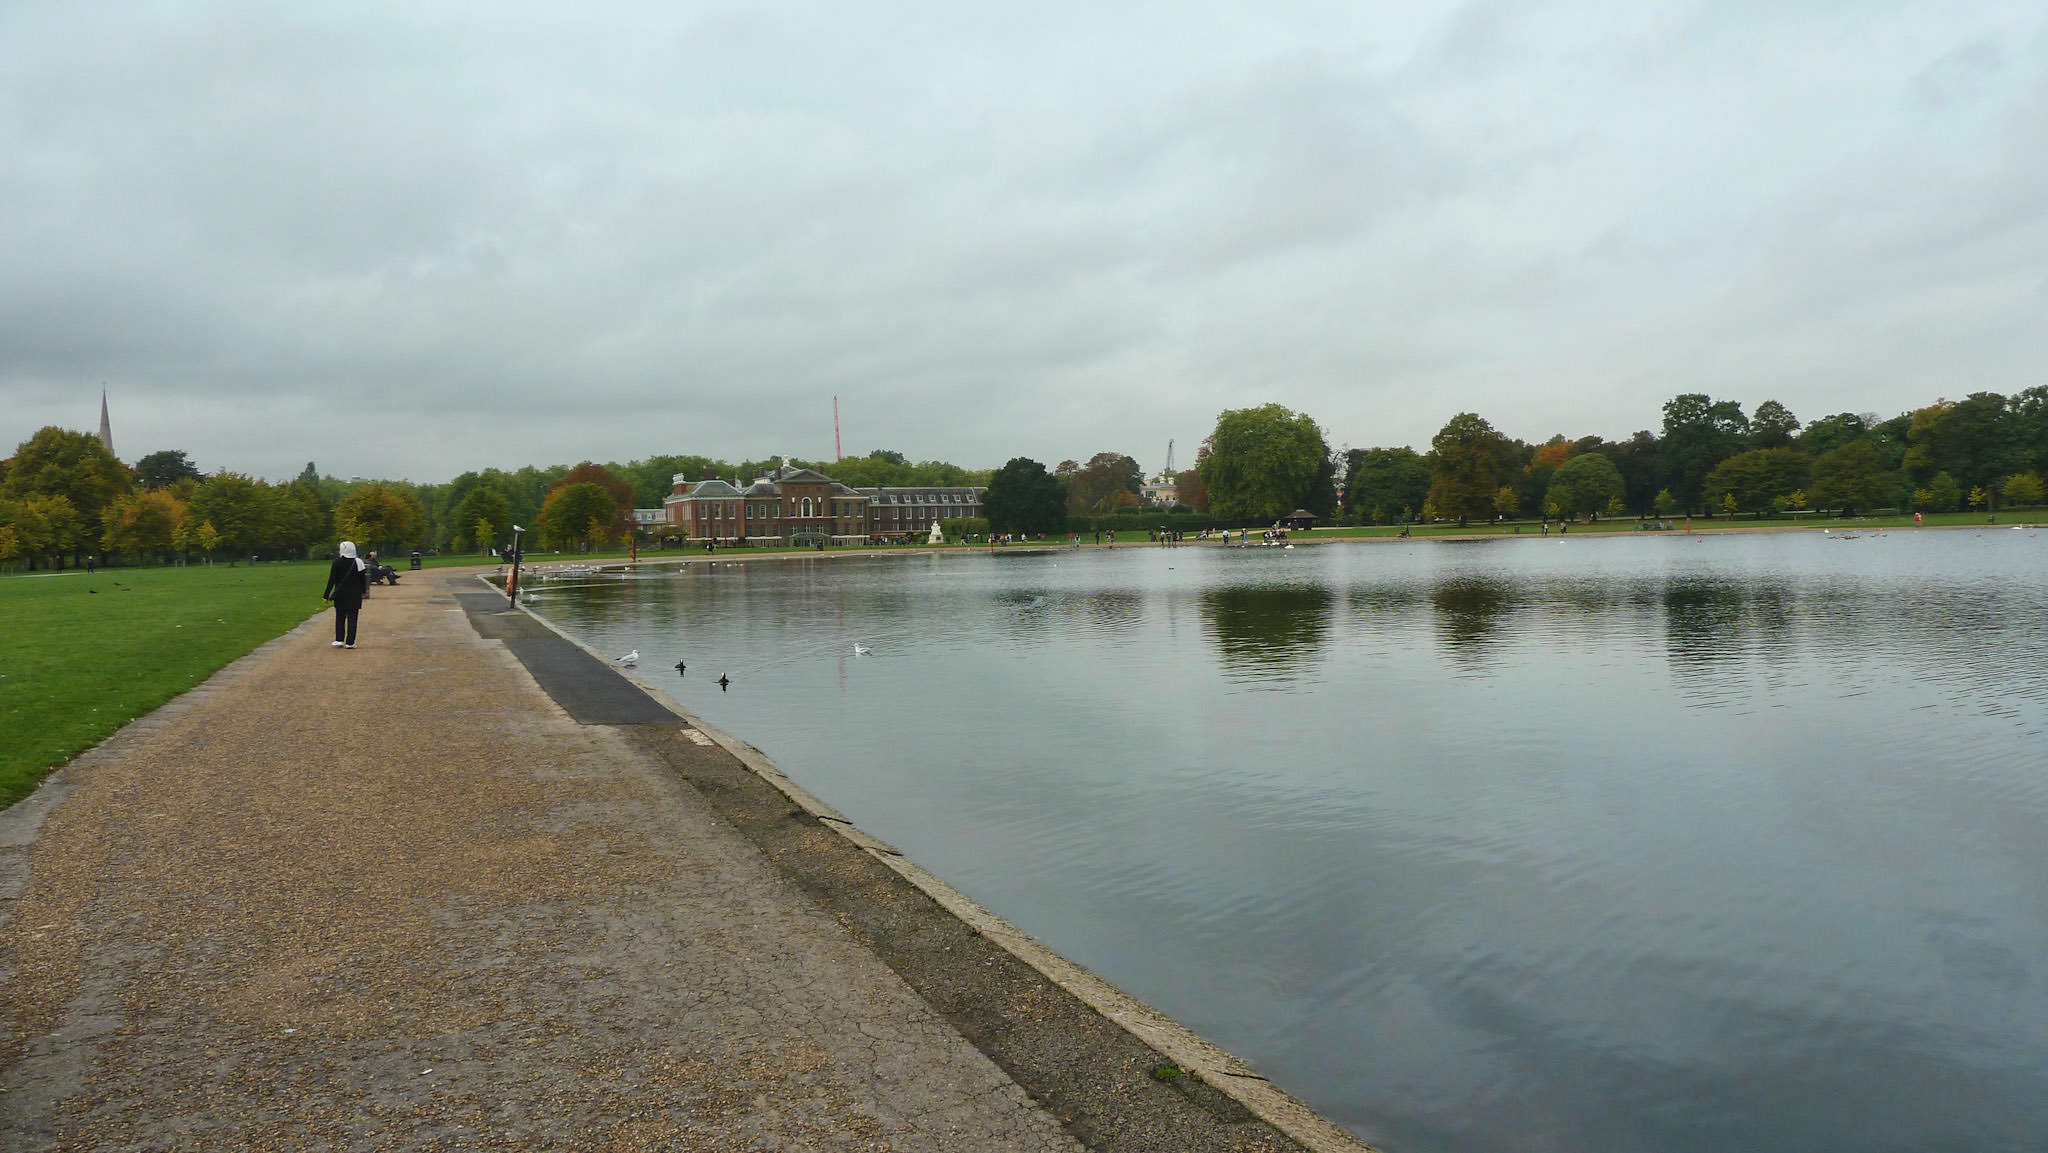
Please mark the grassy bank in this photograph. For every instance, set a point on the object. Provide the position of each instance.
(80, 655)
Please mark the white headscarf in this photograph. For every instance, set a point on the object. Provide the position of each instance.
(348, 549)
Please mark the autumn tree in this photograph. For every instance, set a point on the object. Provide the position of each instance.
(620, 525)
(578, 514)
(75, 466)
(1188, 484)
(43, 526)
(1464, 467)
(149, 521)
(379, 516)
(1094, 487)
(239, 509)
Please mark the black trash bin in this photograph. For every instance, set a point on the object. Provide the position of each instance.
(415, 558)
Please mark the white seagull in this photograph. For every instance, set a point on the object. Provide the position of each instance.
(630, 659)
(861, 650)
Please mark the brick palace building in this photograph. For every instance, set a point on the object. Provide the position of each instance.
(801, 506)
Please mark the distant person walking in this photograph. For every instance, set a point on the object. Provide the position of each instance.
(347, 584)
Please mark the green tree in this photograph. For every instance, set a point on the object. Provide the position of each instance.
(483, 517)
(1464, 467)
(1584, 484)
(380, 517)
(1772, 426)
(75, 466)
(238, 508)
(2022, 488)
(1384, 485)
(164, 469)
(1832, 432)
(2030, 426)
(621, 526)
(300, 518)
(1640, 460)
(654, 478)
(1665, 503)
(566, 518)
(1023, 498)
(1759, 477)
(1265, 462)
(1974, 440)
(1945, 493)
(1850, 478)
(1699, 433)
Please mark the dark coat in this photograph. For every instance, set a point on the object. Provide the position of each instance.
(346, 584)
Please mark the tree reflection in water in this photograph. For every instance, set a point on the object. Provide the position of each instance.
(1469, 613)
(1268, 634)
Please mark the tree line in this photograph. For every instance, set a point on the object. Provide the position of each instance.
(64, 497)
(1709, 458)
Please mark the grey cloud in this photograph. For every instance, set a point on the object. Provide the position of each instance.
(413, 242)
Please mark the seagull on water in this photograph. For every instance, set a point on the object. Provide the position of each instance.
(861, 650)
(630, 659)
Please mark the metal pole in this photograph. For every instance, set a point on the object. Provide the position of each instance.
(512, 582)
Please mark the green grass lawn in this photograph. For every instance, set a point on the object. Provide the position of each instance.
(80, 656)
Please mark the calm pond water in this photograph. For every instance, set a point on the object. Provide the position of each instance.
(1655, 843)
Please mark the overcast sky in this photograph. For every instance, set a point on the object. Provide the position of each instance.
(412, 239)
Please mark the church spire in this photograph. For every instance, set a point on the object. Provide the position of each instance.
(106, 428)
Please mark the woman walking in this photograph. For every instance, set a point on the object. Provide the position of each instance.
(346, 584)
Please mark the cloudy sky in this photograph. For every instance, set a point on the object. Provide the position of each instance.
(413, 239)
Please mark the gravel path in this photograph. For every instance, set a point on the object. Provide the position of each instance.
(395, 898)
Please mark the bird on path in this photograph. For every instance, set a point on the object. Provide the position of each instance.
(630, 659)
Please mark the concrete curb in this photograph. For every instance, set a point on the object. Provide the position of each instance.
(1170, 1039)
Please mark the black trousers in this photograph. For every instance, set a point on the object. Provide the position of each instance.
(345, 621)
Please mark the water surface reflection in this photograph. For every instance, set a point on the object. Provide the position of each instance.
(1642, 844)
(1268, 636)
